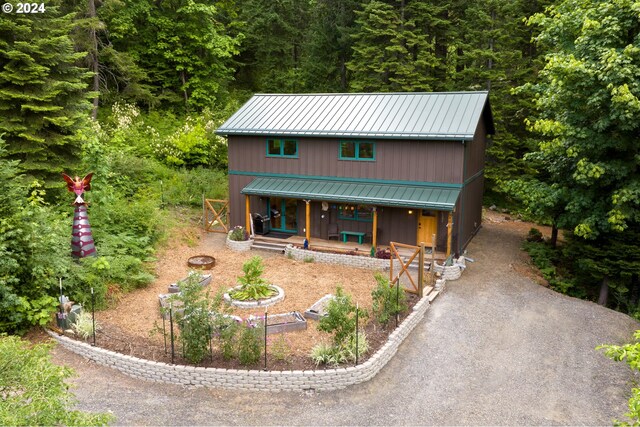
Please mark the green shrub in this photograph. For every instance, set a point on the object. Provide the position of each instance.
(387, 301)
(330, 354)
(250, 345)
(340, 319)
(252, 285)
(83, 326)
(238, 234)
(229, 340)
(195, 321)
(280, 348)
(186, 187)
(33, 388)
(630, 353)
(324, 354)
(534, 235)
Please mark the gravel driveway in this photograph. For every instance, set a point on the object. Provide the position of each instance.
(496, 348)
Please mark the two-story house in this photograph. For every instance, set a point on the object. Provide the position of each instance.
(382, 166)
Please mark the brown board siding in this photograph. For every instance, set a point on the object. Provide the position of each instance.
(475, 151)
(429, 161)
(471, 210)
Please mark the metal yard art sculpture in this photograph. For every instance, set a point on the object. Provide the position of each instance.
(82, 244)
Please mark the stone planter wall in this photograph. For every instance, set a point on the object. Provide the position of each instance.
(451, 272)
(329, 379)
(239, 246)
(350, 260)
(279, 296)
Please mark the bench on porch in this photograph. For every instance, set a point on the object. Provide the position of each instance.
(346, 234)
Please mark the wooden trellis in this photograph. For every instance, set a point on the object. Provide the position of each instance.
(215, 215)
(417, 288)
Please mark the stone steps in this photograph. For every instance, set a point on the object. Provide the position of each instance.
(268, 245)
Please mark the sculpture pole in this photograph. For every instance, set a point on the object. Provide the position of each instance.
(82, 244)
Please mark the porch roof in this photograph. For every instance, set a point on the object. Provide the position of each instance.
(380, 194)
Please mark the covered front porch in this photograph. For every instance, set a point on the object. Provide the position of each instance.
(336, 245)
(358, 215)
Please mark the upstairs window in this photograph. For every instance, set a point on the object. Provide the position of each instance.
(282, 148)
(357, 150)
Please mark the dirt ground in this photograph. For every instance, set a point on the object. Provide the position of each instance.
(134, 326)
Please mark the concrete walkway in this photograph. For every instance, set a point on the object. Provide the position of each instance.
(496, 349)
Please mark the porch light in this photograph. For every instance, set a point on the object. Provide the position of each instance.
(410, 212)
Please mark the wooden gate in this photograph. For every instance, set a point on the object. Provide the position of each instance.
(416, 288)
(215, 215)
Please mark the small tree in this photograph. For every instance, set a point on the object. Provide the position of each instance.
(195, 321)
(341, 318)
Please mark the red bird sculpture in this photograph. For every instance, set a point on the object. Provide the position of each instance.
(78, 186)
(82, 244)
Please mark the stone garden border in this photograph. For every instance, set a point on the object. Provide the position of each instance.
(358, 261)
(326, 379)
(239, 245)
(279, 296)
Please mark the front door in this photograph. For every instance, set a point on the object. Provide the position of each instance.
(427, 226)
(284, 214)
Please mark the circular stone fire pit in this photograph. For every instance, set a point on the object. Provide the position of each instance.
(201, 262)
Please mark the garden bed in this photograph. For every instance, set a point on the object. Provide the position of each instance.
(134, 326)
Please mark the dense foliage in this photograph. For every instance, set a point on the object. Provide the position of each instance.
(388, 301)
(629, 353)
(33, 389)
(43, 92)
(588, 164)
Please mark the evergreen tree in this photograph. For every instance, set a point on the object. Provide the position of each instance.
(43, 97)
(493, 52)
(327, 47)
(272, 51)
(389, 52)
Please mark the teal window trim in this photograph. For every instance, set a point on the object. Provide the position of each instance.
(355, 217)
(281, 155)
(357, 151)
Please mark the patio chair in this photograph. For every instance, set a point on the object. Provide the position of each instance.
(333, 231)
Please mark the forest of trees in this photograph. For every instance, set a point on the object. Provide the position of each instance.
(133, 90)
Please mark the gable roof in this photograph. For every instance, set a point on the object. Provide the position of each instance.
(429, 116)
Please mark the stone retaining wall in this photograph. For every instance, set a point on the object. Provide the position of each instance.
(357, 261)
(328, 379)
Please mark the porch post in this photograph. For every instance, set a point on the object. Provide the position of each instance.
(374, 232)
(308, 219)
(247, 213)
(449, 231)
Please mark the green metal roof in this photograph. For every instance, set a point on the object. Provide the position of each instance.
(398, 195)
(422, 116)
